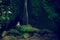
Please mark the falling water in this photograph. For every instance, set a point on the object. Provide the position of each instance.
(26, 11)
(18, 23)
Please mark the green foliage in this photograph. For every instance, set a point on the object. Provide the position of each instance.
(25, 28)
(0, 1)
(18, 27)
(52, 16)
(3, 18)
(8, 18)
(5, 13)
(49, 10)
(26, 35)
(14, 32)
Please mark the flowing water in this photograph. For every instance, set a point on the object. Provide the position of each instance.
(26, 12)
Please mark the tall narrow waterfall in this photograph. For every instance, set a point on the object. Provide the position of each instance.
(26, 11)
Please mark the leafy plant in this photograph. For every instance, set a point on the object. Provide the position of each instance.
(25, 28)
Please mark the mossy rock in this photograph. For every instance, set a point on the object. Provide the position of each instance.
(26, 35)
(9, 38)
(27, 28)
(14, 32)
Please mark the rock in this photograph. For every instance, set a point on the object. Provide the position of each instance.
(9, 38)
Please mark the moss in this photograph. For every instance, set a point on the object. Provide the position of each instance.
(9, 38)
(25, 28)
(25, 35)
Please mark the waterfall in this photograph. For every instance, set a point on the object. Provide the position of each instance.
(26, 11)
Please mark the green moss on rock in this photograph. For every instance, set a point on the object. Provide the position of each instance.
(9, 38)
(25, 28)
